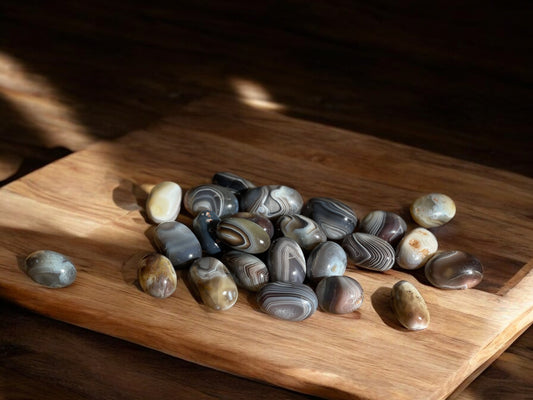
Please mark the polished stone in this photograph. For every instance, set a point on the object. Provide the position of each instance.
(339, 294)
(333, 216)
(176, 241)
(272, 201)
(248, 271)
(306, 232)
(432, 210)
(214, 283)
(326, 259)
(50, 269)
(265, 223)
(416, 247)
(232, 181)
(287, 300)
(385, 225)
(369, 251)
(217, 199)
(286, 261)
(157, 276)
(243, 234)
(204, 227)
(164, 202)
(409, 306)
(454, 269)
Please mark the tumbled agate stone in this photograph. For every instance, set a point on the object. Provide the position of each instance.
(214, 283)
(306, 232)
(333, 216)
(232, 181)
(243, 234)
(409, 306)
(164, 202)
(156, 275)
(454, 269)
(326, 259)
(271, 201)
(416, 248)
(263, 222)
(218, 199)
(369, 251)
(287, 300)
(384, 224)
(248, 271)
(339, 294)
(432, 210)
(204, 227)
(286, 261)
(50, 269)
(176, 241)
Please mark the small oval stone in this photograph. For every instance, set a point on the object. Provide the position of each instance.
(385, 225)
(326, 259)
(432, 210)
(164, 202)
(409, 306)
(286, 261)
(263, 222)
(306, 232)
(339, 294)
(287, 300)
(50, 269)
(177, 242)
(243, 234)
(333, 216)
(454, 269)
(248, 271)
(204, 227)
(232, 181)
(272, 201)
(217, 199)
(416, 248)
(157, 276)
(369, 251)
(214, 283)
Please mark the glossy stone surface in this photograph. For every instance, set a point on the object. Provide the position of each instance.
(248, 271)
(204, 227)
(333, 216)
(339, 294)
(369, 251)
(50, 268)
(265, 223)
(287, 300)
(326, 259)
(272, 201)
(454, 269)
(157, 276)
(232, 181)
(164, 202)
(217, 199)
(384, 224)
(243, 234)
(416, 248)
(432, 210)
(286, 261)
(409, 306)
(214, 283)
(306, 232)
(176, 241)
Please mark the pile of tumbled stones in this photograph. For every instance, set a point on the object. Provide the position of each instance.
(294, 255)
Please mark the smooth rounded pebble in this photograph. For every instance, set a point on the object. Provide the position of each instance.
(333, 216)
(164, 202)
(409, 306)
(385, 225)
(339, 294)
(243, 234)
(272, 201)
(232, 181)
(50, 269)
(204, 227)
(287, 300)
(454, 269)
(326, 259)
(157, 276)
(217, 199)
(432, 210)
(263, 222)
(306, 232)
(176, 241)
(286, 261)
(416, 248)
(369, 251)
(248, 271)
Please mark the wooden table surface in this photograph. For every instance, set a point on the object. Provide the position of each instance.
(453, 79)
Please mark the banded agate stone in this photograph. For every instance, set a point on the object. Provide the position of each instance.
(272, 201)
(157, 276)
(248, 271)
(333, 216)
(218, 199)
(385, 225)
(177, 242)
(409, 306)
(306, 232)
(243, 234)
(204, 227)
(326, 259)
(287, 300)
(369, 251)
(286, 261)
(50, 269)
(432, 210)
(339, 294)
(454, 269)
(232, 181)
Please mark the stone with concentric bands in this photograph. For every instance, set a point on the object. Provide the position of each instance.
(287, 300)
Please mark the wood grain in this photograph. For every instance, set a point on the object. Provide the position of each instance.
(101, 233)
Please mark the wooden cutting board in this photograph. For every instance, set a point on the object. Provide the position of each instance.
(86, 206)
